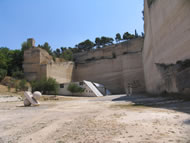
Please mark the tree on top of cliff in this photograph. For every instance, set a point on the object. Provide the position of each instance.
(103, 41)
(98, 42)
(57, 52)
(118, 37)
(68, 54)
(86, 45)
(46, 47)
(136, 34)
(128, 36)
(106, 41)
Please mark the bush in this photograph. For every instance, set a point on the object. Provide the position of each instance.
(23, 85)
(74, 88)
(18, 75)
(3, 73)
(19, 85)
(45, 85)
(9, 88)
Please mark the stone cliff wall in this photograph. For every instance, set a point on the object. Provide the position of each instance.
(114, 66)
(109, 52)
(34, 58)
(38, 64)
(167, 41)
(62, 72)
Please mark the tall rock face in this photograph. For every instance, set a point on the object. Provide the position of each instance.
(115, 66)
(166, 50)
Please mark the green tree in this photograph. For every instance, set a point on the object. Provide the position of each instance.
(23, 85)
(98, 42)
(106, 41)
(63, 49)
(46, 47)
(57, 52)
(128, 36)
(75, 50)
(86, 45)
(4, 58)
(15, 61)
(136, 34)
(45, 85)
(11, 60)
(74, 88)
(68, 55)
(18, 74)
(118, 37)
(3, 73)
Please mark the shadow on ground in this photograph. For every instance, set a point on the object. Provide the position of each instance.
(187, 122)
(157, 102)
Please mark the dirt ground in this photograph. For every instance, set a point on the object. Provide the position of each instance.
(111, 119)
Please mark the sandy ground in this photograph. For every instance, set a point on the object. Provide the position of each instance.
(111, 119)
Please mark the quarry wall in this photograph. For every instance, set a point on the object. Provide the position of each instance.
(167, 42)
(34, 58)
(38, 64)
(115, 66)
(165, 51)
(62, 72)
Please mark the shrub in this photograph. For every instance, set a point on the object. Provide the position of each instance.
(3, 73)
(9, 88)
(23, 85)
(18, 75)
(45, 85)
(74, 88)
(16, 86)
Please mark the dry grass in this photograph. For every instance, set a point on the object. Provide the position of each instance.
(56, 98)
(4, 91)
(128, 106)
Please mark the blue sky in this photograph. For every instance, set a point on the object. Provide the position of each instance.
(66, 22)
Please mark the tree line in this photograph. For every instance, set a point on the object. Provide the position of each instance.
(87, 45)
